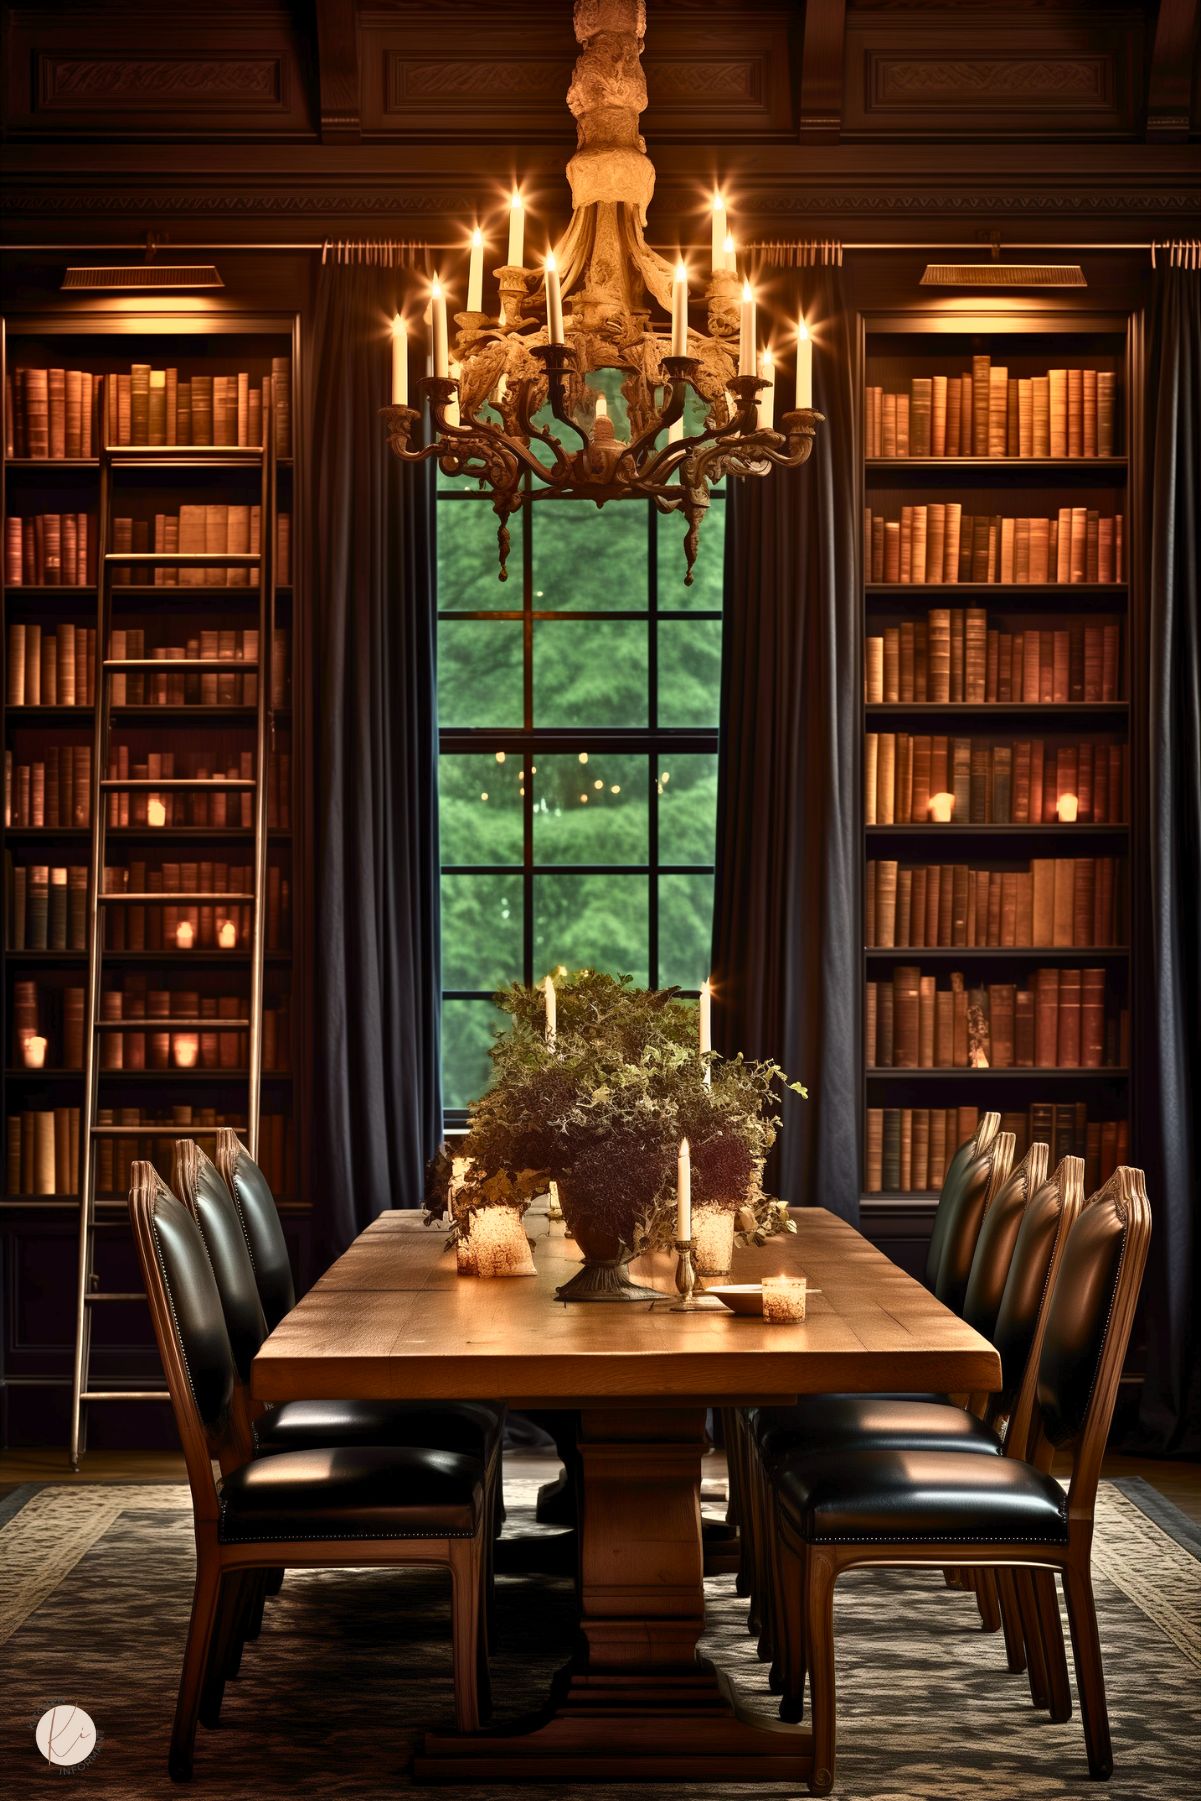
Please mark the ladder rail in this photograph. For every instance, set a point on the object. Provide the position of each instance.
(264, 731)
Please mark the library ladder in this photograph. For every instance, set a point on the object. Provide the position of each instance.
(115, 461)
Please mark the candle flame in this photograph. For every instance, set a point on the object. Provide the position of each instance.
(728, 246)
(436, 289)
(684, 1151)
(766, 363)
(398, 326)
(515, 200)
(719, 201)
(551, 265)
(602, 407)
(746, 290)
(802, 331)
(681, 270)
(477, 236)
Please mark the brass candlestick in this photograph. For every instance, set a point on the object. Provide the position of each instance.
(686, 1278)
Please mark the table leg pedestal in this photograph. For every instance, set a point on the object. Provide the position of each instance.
(638, 1704)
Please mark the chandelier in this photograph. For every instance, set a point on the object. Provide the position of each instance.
(514, 409)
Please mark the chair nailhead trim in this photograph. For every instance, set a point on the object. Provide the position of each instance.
(944, 1538)
(273, 1538)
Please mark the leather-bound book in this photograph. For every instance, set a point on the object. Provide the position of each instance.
(1064, 903)
(1001, 1023)
(902, 804)
(281, 392)
(1020, 805)
(871, 747)
(56, 387)
(998, 405)
(933, 902)
(1068, 1046)
(1085, 762)
(202, 409)
(904, 925)
(920, 797)
(1078, 550)
(954, 393)
(975, 636)
(1088, 445)
(905, 681)
(885, 1025)
(960, 890)
(1002, 783)
(892, 550)
(1092, 545)
(877, 549)
(917, 905)
(992, 663)
(1092, 1018)
(920, 410)
(927, 987)
(906, 984)
(1023, 929)
(951, 541)
(1009, 909)
(873, 672)
(1023, 1028)
(993, 937)
(1058, 395)
(1104, 912)
(183, 413)
(944, 1029)
(1105, 412)
(961, 777)
(886, 778)
(888, 425)
(1046, 1018)
(938, 416)
(874, 1160)
(981, 383)
(891, 1173)
(886, 903)
(1084, 884)
(1075, 412)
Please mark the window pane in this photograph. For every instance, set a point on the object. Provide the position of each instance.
(469, 562)
(591, 808)
(589, 672)
(479, 672)
(468, 1028)
(479, 808)
(706, 590)
(481, 931)
(591, 922)
(685, 929)
(687, 808)
(689, 671)
(587, 558)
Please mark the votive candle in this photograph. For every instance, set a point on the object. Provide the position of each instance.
(784, 1299)
(227, 935)
(35, 1052)
(185, 937)
(156, 812)
(941, 807)
(1068, 808)
(186, 1048)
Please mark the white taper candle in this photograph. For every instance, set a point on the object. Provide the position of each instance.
(554, 301)
(551, 1012)
(679, 311)
(684, 1192)
(438, 329)
(475, 273)
(746, 335)
(804, 366)
(400, 362)
(719, 233)
(516, 229)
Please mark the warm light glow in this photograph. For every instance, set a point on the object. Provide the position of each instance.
(583, 756)
(227, 935)
(746, 289)
(784, 1299)
(1068, 808)
(616, 788)
(477, 237)
(515, 200)
(802, 332)
(185, 1047)
(602, 407)
(598, 784)
(435, 289)
(398, 326)
(35, 1052)
(719, 201)
(941, 807)
(500, 756)
(729, 250)
(185, 937)
(583, 800)
(681, 270)
(551, 264)
(156, 812)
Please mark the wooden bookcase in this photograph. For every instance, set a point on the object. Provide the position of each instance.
(106, 340)
(1029, 337)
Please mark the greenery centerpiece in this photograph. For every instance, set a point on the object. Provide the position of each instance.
(600, 1106)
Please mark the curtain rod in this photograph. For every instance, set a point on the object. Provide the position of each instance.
(170, 248)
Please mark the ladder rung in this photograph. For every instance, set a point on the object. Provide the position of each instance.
(170, 665)
(174, 781)
(95, 1295)
(198, 559)
(126, 1394)
(171, 900)
(158, 1129)
(158, 1022)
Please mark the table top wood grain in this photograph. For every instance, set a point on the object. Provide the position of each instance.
(393, 1319)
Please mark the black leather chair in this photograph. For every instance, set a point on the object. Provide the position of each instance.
(939, 1507)
(334, 1507)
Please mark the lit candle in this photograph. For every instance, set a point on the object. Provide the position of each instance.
(554, 301)
(475, 273)
(602, 407)
(156, 812)
(35, 1052)
(453, 415)
(941, 807)
(684, 1193)
(767, 398)
(551, 1012)
(227, 935)
(729, 255)
(438, 321)
(804, 366)
(1068, 808)
(185, 937)
(746, 336)
(679, 311)
(719, 233)
(400, 362)
(706, 1026)
(784, 1300)
(516, 229)
(186, 1049)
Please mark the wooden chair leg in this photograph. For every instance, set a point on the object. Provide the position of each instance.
(1036, 1663)
(201, 1626)
(231, 1604)
(465, 1630)
(792, 1577)
(987, 1600)
(273, 1581)
(1059, 1690)
(1015, 1649)
(1090, 1675)
(820, 1574)
(254, 1611)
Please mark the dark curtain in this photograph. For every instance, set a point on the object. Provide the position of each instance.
(376, 1097)
(786, 933)
(1168, 990)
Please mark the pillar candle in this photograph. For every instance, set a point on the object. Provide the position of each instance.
(551, 1011)
(767, 397)
(804, 366)
(706, 1026)
(679, 311)
(516, 230)
(475, 273)
(438, 329)
(718, 261)
(684, 1192)
(400, 362)
(554, 301)
(746, 336)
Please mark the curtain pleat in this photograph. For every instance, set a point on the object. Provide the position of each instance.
(1167, 994)
(786, 933)
(375, 949)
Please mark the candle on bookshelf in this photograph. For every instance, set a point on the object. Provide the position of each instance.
(35, 1052)
(227, 935)
(185, 937)
(475, 273)
(942, 806)
(186, 1049)
(400, 362)
(1068, 808)
(156, 812)
(684, 1193)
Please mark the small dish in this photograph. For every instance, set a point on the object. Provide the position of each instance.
(740, 1297)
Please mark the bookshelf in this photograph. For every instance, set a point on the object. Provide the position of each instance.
(164, 973)
(996, 669)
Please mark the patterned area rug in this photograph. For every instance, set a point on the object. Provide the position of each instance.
(95, 1586)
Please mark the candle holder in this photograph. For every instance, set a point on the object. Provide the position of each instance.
(686, 1278)
(785, 1300)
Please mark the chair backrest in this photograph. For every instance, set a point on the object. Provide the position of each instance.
(261, 1224)
(189, 1325)
(987, 1127)
(1022, 1313)
(967, 1207)
(997, 1238)
(201, 1187)
(1088, 1329)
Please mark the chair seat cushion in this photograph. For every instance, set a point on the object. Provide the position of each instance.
(354, 1491)
(871, 1422)
(471, 1427)
(909, 1496)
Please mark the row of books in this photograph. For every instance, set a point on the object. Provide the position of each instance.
(49, 550)
(1056, 1019)
(1028, 782)
(219, 528)
(908, 1148)
(176, 687)
(1058, 903)
(938, 542)
(43, 1146)
(55, 793)
(50, 666)
(989, 413)
(56, 1015)
(57, 413)
(953, 655)
(46, 907)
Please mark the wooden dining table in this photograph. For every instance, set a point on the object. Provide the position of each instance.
(392, 1319)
